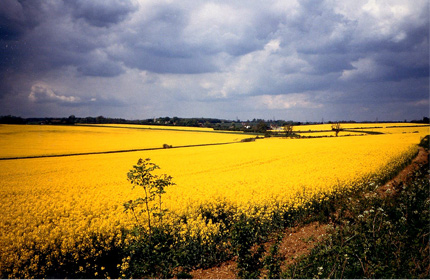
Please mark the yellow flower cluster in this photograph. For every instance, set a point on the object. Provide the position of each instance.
(73, 206)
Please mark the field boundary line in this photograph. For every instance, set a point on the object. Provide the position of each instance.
(117, 151)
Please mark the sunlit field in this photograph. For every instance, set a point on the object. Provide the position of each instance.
(330, 134)
(420, 130)
(59, 206)
(138, 126)
(38, 140)
(358, 126)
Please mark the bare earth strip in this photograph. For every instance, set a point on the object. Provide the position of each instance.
(421, 158)
(296, 242)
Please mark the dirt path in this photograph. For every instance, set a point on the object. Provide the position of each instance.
(300, 240)
(421, 158)
(297, 241)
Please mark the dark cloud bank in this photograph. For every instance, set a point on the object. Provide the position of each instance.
(299, 60)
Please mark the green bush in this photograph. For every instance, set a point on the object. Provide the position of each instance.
(151, 255)
(425, 142)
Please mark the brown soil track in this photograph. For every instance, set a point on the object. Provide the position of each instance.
(404, 175)
(301, 239)
(297, 241)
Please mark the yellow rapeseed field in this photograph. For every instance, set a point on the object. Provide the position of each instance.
(36, 140)
(330, 133)
(376, 126)
(59, 206)
(421, 130)
(164, 127)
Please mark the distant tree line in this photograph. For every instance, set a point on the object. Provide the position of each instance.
(424, 120)
(254, 125)
(12, 120)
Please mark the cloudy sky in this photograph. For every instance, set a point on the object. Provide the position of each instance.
(301, 60)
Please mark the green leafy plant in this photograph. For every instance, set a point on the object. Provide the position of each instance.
(151, 255)
(273, 261)
(245, 237)
(153, 187)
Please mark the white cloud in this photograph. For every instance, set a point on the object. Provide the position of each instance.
(214, 24)
(260, 71)
(384, 19)
(364, 68)
(286, 101)
(42, 93)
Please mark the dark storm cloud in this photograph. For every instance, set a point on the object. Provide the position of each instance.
(39, 35)
(101, 13)
(18, 17)
(321, 57)
(12, 23)
(177, 65)
(332, 42)
(98, 64)
(317, 29)
(186, 38)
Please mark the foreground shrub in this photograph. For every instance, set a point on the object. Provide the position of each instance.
(245, 234)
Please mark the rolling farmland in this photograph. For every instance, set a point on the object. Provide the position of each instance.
(58, 208)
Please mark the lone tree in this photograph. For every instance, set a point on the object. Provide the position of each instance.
(336, 127)
(288, 129)
(153, 187)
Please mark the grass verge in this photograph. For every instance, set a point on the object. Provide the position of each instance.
(376, 237)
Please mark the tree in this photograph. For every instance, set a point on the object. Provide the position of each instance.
(288, 129)
(100, 119)
(336, 127)
(153, 187)
(11, 120)
(71, 119)
(261, 127)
